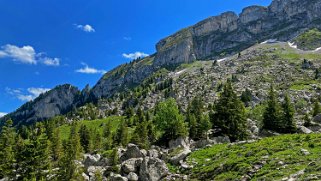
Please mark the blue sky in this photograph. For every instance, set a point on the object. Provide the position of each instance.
(44, 43)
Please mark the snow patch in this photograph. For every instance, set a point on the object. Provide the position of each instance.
(180, 72)
(269, 41)
(317, 49)
(221, 60)
(293, 45)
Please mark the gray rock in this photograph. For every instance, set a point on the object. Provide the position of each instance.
(317, 119)
(132, 176)
(153, 169)
(153, 153)
(132, 152)
(85, 176)
(179, 142)
(304, 130)
(304, 151)
(118, 177)
(180, 157)
(131, 165)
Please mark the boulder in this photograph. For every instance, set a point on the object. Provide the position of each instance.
(85, 177)
(153, 153)
(131, 152)
(132, 176)
(153, 169)
(118, 177)
(179, 142)
(317, 118)
(95, 160)
(180, 157)
(131, 165)
(304, 130)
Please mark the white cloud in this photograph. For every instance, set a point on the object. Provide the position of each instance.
(89, 70)
(27, 55)
(29, 95)
(135, 55)
(2, 114)
(51, 61)
(127, 38)
(86, 28)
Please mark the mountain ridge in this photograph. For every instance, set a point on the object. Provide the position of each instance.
(213, 38)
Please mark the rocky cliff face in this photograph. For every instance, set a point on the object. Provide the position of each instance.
(57, 101)
(229, 33)
(219, 36)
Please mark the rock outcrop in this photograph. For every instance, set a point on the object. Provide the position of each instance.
(57, 101)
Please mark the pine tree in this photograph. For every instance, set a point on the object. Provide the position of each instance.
(140, 136)
(108, 136)
(199, 123)
(272, 113)
(169, 121)
(229, 114)
(288, 116)
(122, 135)
(56, 145)
(85, 138)
(96, 140)
(7, 150)
(316, 108)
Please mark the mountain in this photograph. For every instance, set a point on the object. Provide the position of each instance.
(189, 51)
(57, 101)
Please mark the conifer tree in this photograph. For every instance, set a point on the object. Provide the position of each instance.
(140, 136)
(316, 108)
(122, 135)
(272, 113)
(288, 116)
(85, 138)
(7, 150)
(230, 115)
(56, 145)
(107, 136)
(199, 123)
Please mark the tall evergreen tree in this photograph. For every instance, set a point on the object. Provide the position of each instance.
(230, 115)
(288, 116)
(56, 145)
(140, 136)
(122, 135)
(199, 123)
(85, 138)
(7, 150)
(316, 108)
(107, 136)
(272, 113)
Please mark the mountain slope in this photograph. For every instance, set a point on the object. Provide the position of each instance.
(57, 101)
(217, 37)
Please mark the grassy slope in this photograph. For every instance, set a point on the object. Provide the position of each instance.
(95, 124)
(231, 162)
(309, 40)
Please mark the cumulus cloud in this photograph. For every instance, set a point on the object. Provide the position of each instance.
(27, 55)
(135, 55)
(89, 70)
(51, 61)
(86, 28)
(2, 114)
(28, 95)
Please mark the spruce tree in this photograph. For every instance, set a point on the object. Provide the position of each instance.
(7, 150)
(140, 136)
(85, 138)
(230, 115)
(272, 113)
(316, 108)
(288, 116)
(122, 135)
(199, 123)
(56, 145)
(107, 136)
